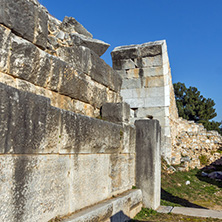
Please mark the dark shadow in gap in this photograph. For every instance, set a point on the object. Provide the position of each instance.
(215, 166)
(177, 200)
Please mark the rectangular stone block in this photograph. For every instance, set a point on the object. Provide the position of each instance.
(131, 83)
(31, 125)
(25, 19)
(122, 172)
(23, 116)
(129, 139)
(100, 71)
(148, 92)
(136, 102)
(24, 178)
(81, 134)
(152, 61)
(153, 111)
(5, 37)
(128, 52)
(157, 101)
(116, 112)
(89, 180)
(126, 93)
(156, 81)
(118, 209)
(24, 59)
(78, 56)
(152, 71)
(148, 161)
(74, 86)
(124, 64)
(151, 49)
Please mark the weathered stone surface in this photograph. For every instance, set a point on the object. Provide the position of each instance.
(49, 129)
(124, 64)
(148, 161)
(99, 212)
(125, 52)
(26, 19)
(4, 47)
(191, 141)
(31, 187)
(23, 116)
(129, 139)
(109, 210)
(121, 179)
(98, 46)
(116, 112)
(69, 24)
(151, 49)
(147, 84)
(78, 57)
(24, 59)
(80, 134)
(132, 83)
(136, 51)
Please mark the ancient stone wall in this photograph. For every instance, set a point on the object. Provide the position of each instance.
(55, 158)
(193, 141)
(39, 55)
(147, 85)
(54, 162)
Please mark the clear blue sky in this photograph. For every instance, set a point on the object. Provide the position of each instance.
(192, 29)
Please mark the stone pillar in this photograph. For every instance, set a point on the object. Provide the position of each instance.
(148, 161)
(147, 85)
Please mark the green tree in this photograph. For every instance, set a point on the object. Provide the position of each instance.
(193, 106)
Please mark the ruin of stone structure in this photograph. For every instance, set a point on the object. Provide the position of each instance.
(68, 143)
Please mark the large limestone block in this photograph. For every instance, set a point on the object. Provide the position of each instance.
(148, 161)
(98, 46)
(104, 74)
(153, 111)
(129, 139)
(24, 59)
(132, 83)
(122, 172)
(33, 188)
(70, 25)
(23, 118)
(116, 112)
(136, 102)
(31, 125)
(138, 51)
(78, 56)
(89, 180)
(4, 47)
(124, 64)
(118, 209)
(81, 134)
(25, 19)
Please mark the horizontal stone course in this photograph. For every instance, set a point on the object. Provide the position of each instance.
(138, 51)
(31, 125)
(51, 185)
(25, 19)
(109, 210)
(22, 59)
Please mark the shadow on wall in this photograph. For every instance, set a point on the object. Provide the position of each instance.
(177, 200)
